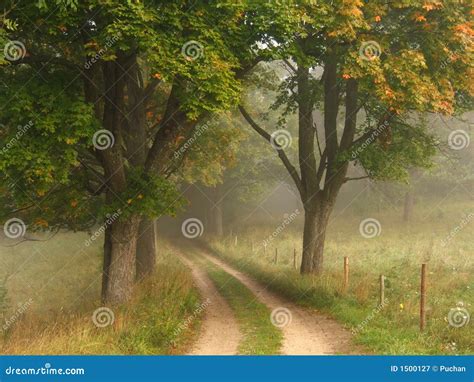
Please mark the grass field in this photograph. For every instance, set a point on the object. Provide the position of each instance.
(53, 289)
(397, 253)
(50, 290)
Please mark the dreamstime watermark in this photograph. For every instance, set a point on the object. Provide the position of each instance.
(44, 370)
(370, 50)
(373, 136)
(192, 228)
(462, 224)
(280, 139)
(370, 317)
(14, 50)
(110, 219)
(192, 50)
(109, 42)
(103, 139)
(288, 218)
(21, 130)
(14, 228)
(458, 140)
(459, 316)
(184, 147)
(281, 317)
(196, 313)
(103, 317)
(370, 228)
(22, 308)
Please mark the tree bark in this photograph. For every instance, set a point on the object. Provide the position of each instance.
(309, 242)
(146, 249)
(121, 269)
(316, 220)
(106, 263)
(320, 237)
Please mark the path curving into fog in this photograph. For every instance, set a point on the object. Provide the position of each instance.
(220, 333)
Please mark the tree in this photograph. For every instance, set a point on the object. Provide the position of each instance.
(114, 88)
(378, 64)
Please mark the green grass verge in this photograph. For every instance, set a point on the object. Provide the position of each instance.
(391, 330)
(260, 336)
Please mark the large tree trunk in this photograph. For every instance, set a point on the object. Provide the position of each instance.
(146, 249)
(320, 237)
(121, 269)
(314, 235)
(309, 242)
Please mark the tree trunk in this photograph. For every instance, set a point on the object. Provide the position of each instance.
(408, 207)
(320, 238)
(146, 249)
(106, 263)
(309, 242)
(315, 224)
(121, 269)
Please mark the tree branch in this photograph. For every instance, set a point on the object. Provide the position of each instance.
(282, 155)
(357, 178)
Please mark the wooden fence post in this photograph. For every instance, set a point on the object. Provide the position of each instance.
(346, 273)
(423, 298)
(382, 290)
(294, 257)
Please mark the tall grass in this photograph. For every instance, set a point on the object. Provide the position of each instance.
(396, 253)
(56, 289)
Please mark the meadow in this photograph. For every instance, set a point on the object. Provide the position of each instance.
(50, 291)
(397, 252)
(51, 303)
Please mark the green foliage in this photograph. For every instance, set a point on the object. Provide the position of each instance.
(147, 195)
(54, 163)
(212, 149)
(417, 61)
(411, 145)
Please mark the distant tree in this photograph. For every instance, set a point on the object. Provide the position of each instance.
(378, 65)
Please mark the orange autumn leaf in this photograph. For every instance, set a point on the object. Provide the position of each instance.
(464, 29)
(346, 76)
(42, 223)
(378, 19)
(420, 18)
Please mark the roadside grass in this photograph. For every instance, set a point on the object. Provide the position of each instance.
(62, 281)
(397, 253)
(260, 336)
